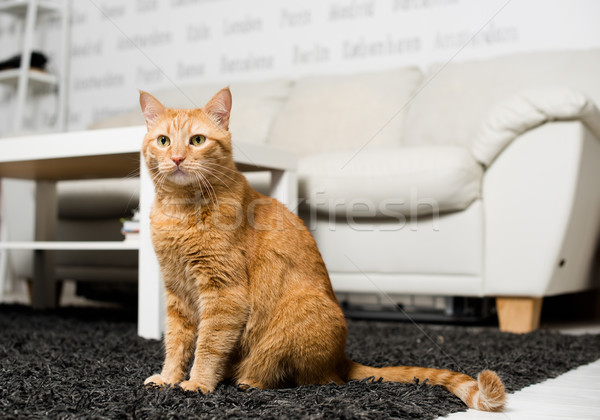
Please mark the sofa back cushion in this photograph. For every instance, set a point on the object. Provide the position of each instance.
(457, 97)
(345, 112)
(254, 106)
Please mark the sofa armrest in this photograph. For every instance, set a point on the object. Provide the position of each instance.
(527, 110)
(542, 212)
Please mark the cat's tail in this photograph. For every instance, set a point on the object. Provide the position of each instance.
(486, 393)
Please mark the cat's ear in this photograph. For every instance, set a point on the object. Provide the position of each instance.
(219, 107)
(150, 107)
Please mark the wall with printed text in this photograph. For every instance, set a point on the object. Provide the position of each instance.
(120, 46)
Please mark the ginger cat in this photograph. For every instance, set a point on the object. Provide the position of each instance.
(247, 292)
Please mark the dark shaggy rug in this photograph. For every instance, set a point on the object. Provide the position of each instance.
(89, 363)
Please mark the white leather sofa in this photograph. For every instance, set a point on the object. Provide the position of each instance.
(471, 179)
(475, 179)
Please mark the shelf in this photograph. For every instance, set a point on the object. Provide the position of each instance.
(71, 245)
(36, 76)
(19, 7)
(31, 12)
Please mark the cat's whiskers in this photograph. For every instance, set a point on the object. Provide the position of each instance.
(158, 177)
(206, 186)
(214, 172)
(200, 167)
(220, 169)
(210, 187)
(216, 162)
(205, 171)
(161, 171)
(217, 168)
(209, 168)
(135, 173)
(155, 176)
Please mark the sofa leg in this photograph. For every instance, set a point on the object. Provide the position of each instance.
(519, 314)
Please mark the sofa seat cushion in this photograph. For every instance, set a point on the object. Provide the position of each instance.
(98, 198)
(406, 181)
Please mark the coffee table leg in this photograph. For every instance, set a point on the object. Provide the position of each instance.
(284, 187)
(3, 254)
(43, 295)
(151, 302)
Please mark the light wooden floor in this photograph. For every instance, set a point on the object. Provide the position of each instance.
(573, 395)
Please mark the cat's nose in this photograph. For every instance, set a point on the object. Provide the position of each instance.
(178, 159)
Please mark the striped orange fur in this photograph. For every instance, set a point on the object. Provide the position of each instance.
(247, 292)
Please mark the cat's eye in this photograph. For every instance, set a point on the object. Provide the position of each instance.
(197, 139)
(163, 141)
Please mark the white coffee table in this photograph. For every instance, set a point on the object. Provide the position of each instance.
(112, 153)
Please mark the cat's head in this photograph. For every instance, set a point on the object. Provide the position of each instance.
(186, 146)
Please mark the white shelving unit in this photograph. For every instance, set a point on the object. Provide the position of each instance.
(24, 77)
(34, 76)
(19, 7)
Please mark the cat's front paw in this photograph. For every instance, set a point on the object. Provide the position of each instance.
(196, 386)
(157, 380)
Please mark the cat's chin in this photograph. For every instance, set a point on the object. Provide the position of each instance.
(179, 177)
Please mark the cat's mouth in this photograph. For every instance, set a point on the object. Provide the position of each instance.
(178, 172)
(179, 176)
